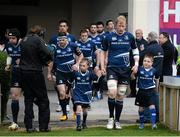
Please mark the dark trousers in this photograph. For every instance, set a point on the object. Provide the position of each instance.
(33, 85)
(5, 87)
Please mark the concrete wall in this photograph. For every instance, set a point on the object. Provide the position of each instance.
(45, 14)
(144, 15)
(108, 9)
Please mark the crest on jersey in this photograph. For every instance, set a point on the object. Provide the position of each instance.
(114, 38)
(69, 49)
(151, 73)
(10, 49)
(126, 37)
(87, 78)
(88, 45)
(98, 38)
(69, 39)
(78, 78)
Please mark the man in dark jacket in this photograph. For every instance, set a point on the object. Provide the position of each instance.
(141, 44)
(35, 55)
(169, 54)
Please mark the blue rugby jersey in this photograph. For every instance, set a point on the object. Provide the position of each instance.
(83, 82)
(146, 78)
(118, 47)
(14, 52)
(64, 56)
(97, 40)
(88, 48)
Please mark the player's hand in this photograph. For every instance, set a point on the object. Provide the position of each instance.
(49, 77)
(134, 69)
(75, 67)
(7, 68)
(103, 71)
(96, 69)
(17, 61)
(98, 73)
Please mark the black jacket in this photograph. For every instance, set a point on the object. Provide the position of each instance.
(169, 55)
(34, 53)
(156, 50)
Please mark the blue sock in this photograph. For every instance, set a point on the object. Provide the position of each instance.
(78, 119)
(141, 117)
(153, 116)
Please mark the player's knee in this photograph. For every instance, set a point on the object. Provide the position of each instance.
(79, 109)
(62, 95)
(112, 85)
(121, 91)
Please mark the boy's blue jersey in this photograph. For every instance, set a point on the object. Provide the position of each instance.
(82, 91)
(146, 78)
(14, 52)
(64, 56)
(97, 40)
(88, 48)
(118, 47)
(55, 39)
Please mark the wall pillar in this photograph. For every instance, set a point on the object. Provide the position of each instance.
(143, 14)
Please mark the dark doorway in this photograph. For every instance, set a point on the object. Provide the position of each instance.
(9, 21)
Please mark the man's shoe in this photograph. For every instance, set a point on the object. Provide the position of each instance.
(58, 109)
(45, 130)
(117, 125)
(110, 123)
(13, 126)
(141, 126)
(154, 126)
(78, 128)
(84, 126)
(31, 130)
(63, 118)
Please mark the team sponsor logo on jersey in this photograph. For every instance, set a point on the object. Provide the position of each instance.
(60, 81)
(10, 49)
(58, 51)
(78, 44)
(141, 72)
(16, 84)
(64, 52)
(111, 76)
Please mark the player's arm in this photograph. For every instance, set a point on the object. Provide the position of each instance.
(103, 55)
(8, 63)
(79, 57)
(49, 74)
(157, 77)
(135, 52)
